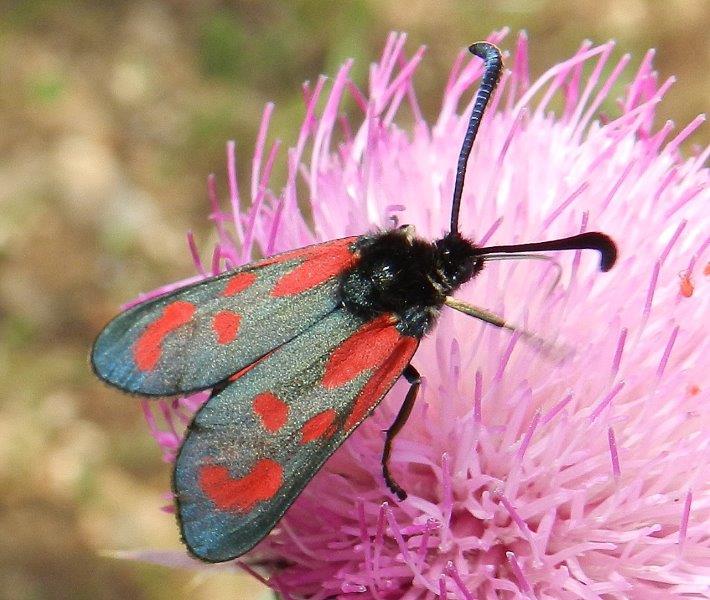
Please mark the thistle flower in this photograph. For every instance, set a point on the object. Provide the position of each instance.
(529, 475)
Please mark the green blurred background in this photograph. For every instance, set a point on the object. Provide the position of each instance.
(111, 116)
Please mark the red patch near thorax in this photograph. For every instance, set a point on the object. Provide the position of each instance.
(320, 426)
(271, 410)
(321, 263)
(148, 347)
(240, 494)
(382, 380)
(366, 349)
(306, 251)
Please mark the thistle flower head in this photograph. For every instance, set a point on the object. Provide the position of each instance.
(577, 475)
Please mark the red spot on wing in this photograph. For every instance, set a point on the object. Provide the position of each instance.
(320, 426)
(382, 380)
(148, 347)
(321, 263)
(238, 283)
(271, 410)
(226, 325)
(367, 348)
(307, 252)
(241, 493)
(706, 270)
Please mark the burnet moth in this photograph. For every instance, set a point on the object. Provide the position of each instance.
(298, 349)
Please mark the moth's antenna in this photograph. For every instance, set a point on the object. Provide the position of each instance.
(592, 240)
(493, 62)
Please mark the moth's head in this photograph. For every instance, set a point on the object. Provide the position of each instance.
(457, 258)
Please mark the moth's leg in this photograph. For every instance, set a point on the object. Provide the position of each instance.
(414, 379)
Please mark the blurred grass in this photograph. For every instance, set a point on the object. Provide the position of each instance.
(111, 116)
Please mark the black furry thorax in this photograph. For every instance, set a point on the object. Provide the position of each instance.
(399, 273)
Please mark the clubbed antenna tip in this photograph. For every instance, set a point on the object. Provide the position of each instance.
(493, 65)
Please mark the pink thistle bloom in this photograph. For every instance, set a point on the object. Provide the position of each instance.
(582, 475)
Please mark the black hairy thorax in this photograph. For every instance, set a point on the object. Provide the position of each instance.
(398, 273)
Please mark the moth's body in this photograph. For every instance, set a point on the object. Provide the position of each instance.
(400, 274)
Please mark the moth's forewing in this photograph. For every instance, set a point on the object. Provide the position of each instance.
(196, 337)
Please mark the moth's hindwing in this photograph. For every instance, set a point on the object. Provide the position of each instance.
(252, 448)
(197, 336)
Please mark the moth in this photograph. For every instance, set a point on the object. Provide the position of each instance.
(297, 350)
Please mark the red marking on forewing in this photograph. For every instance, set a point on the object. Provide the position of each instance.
(382, 380)
(238, 283)
(241, 493)
(271, 410)
(307, 251)
(320, 426)
(226, 325)
(320, 264)
(365, 349)
(148, 347)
